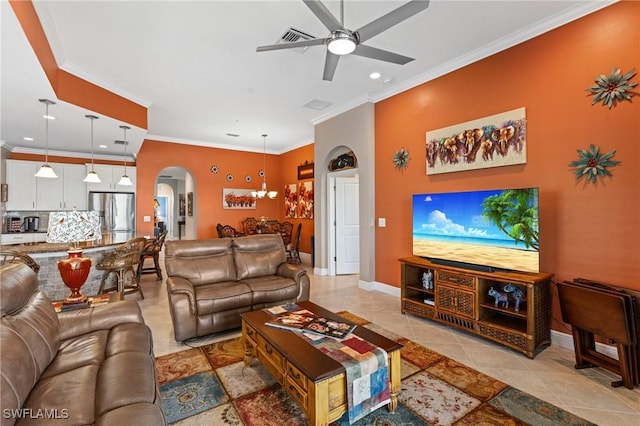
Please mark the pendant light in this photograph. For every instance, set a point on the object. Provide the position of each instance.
(124, 180)
(92, 176)
(263, 190)
(46, 171)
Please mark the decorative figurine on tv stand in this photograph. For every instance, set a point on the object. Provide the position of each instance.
(517, 293)
(499, 298)
(427, 280)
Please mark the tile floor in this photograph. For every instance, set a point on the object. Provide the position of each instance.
(550, 376)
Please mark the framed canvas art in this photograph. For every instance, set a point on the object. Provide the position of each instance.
(182, 207)
(497, 140)
(238, 199)
(291, 201)
(190, 203)
(305, 200)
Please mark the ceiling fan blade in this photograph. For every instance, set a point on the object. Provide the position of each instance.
(382, 55)
(323, 14)
(330, 64)
(392, 18)
(292, 45)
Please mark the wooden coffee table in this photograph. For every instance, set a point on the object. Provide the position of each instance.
(312, 378)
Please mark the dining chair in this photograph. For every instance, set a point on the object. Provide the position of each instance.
(121, 262)
(152, 250)
(293, 249)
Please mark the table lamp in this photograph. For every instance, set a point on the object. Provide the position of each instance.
(74, 227)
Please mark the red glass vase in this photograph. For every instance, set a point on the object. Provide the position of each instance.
(74, 271)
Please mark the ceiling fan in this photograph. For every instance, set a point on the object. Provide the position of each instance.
(343, 41)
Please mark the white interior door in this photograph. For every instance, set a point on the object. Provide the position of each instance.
(347, 225)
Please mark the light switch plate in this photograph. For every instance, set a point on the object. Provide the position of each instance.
(382, 222)
(146, 218)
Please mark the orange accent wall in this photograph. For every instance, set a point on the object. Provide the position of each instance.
(197, 160)
(289, 174)
(68, 87)
(586, 230)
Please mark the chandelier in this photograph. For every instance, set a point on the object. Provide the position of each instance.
(262, 192)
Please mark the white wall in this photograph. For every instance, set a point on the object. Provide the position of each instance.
(353, 130)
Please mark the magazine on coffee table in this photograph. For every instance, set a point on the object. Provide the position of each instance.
(306, 321)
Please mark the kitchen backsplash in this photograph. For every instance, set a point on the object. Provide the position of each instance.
(42, 215)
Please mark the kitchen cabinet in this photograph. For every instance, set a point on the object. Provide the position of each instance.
(110, 176)
(27, 192)
(74, 187)
(49, 192)
(23, 238)
(21, 184)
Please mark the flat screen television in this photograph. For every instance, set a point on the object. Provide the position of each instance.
(485, 230)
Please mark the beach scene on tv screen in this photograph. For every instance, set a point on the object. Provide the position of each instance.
(496, 228)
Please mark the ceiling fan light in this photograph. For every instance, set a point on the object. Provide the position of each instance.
(341, 44)
(46, 171)
(272, 194)
(92, 177)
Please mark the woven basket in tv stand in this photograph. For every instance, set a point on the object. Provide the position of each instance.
(459, 297)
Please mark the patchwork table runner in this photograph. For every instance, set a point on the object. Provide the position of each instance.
(367, 370)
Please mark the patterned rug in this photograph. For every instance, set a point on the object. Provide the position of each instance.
(210, 385)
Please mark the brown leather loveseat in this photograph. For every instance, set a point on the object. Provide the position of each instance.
(211, 282)
(83, 367)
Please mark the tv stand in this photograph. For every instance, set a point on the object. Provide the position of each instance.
(460, 298)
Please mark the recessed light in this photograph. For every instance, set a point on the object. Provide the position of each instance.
(387, 81)
(103, 146)
(375, 75)
(49, 117)
(27, 138)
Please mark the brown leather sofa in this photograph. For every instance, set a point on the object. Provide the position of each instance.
(83, 367)
(211, 282)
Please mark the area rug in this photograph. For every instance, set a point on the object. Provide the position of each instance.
(210, 385)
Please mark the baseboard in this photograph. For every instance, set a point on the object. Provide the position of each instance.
(381, 287)
(565, 340)
(558, 338)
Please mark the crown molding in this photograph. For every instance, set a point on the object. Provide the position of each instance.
(71, 154)
(527, 33)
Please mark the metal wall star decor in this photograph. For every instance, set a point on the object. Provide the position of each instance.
(401, 159)
(592, 164)
(613, 88)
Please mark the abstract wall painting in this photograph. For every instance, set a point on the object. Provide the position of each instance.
(237, 199)
(291, 201)
(305, 200)
(182, 205)
(497, 140)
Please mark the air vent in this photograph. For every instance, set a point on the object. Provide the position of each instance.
(291, 35)
(119, 142)
(233, 135)
(317, 104)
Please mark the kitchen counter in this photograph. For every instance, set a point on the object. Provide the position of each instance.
(47, 256)
(43, 247)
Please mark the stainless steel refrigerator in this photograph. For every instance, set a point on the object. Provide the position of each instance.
(117, 212)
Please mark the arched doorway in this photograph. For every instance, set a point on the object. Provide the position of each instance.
(173, 184)
(343, 218)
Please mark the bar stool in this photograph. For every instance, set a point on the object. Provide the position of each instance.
(120, 262)
(152, 249)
